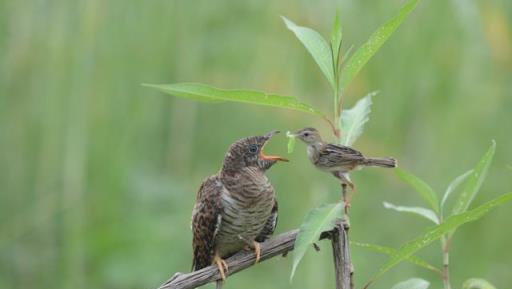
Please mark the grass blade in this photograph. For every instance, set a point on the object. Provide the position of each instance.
(318, 220)
(203, 92)
(352, 120)
(434, 233)
(373, 44)
(413, 283)
(390, 251)
(421, 187)
(426, 213)
(317, 47)
(475, 181)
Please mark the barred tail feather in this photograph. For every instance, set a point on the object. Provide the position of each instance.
(381, 162)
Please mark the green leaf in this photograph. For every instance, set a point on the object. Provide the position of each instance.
(317, 47)
(426, 213)
(421, 187)
(413, 283)
(477, 283)
(202, 92)
(434, 233)
(390, 251)
(318, 220)
(192, 91)
(453, 186)
(373, 44)
(475, 181)
(291, 142)
(336, 37)
(352, 120)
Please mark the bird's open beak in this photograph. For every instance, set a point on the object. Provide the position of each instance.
(267, 137)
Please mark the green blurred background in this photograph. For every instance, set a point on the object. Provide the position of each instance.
(99, 174)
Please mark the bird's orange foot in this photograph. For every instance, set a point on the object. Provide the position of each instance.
(222, 265)
(253, 246)
(257, 251)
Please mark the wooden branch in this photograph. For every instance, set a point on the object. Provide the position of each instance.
(341, 255)
(278, 245)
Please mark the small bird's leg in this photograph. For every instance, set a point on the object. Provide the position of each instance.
(345, 181)
(346, 203)
(252, 245)
(222, 265)
(348, 194)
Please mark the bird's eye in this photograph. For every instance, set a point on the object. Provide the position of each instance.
(253, 148)
(306, 134)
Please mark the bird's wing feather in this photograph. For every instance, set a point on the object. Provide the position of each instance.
(206, 220)
(332, 155)
(270, 225)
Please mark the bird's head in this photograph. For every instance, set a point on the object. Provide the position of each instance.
(309, 135)
(248, 152)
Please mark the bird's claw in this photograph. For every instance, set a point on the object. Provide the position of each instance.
(222, 265)
(257, 250)
(252, 246)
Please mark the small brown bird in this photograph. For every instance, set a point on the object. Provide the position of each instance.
(236, 208)
(339, 160)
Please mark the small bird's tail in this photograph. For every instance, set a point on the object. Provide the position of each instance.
(381, 162)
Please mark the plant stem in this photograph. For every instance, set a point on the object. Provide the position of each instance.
(337, 112)
(446, 262)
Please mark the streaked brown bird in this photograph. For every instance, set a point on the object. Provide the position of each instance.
(236, 208)
(337, 159)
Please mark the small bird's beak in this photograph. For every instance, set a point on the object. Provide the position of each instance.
(267, 137)
(270, 134)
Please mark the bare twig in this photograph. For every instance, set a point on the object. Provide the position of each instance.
(341, 254)
(276, 246)
(335, 131)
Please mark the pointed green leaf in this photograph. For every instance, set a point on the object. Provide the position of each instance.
(318, 220)
(317, 47)
(477, 283)
(202, 92)
(413, 283)
(426, 213)
(421, 187)
(373, 44)
(475, 181)
(390, 251)
(352, 120)
(453, 186)
(434, 233)
(336, 37)
(193, 91)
